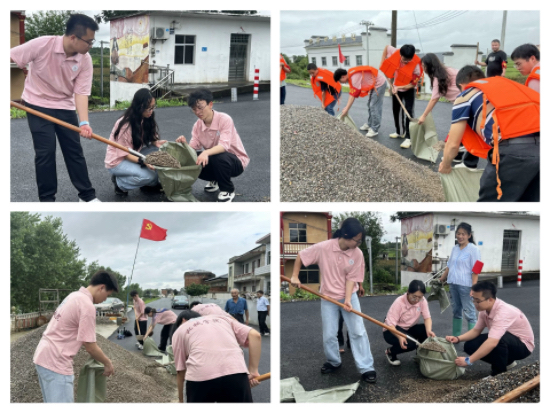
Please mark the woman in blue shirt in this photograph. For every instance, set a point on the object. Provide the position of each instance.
(461, 278)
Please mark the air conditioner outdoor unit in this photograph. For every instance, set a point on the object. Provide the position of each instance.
(441, 230)
(159, 33)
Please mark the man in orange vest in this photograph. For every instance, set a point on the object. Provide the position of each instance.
(284, 70)
(527, 60)
(404, 69)
(322, 81)
(365, 81)
(512, 173)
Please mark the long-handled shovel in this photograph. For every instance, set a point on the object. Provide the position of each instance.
(75, 128)
(139, 337)
(399, 100)
(432, 346)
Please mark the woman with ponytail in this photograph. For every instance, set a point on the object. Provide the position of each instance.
(342, 267)
(460, 277)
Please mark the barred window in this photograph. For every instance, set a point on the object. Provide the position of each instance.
(185, 49)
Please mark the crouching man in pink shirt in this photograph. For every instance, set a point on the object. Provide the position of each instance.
(223, 156)
(72, 325)
(209, 359)
(164, 317)
(510, 336)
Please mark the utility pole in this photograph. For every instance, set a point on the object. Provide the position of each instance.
(396, 259)
(368, 241)
(101, 46)
(394, 28)
(504, 16)
(367, 24)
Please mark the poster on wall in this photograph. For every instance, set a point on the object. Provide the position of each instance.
(130, 49)
(417, 243)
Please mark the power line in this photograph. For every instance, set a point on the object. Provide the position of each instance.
(445, 17)
(418, 31)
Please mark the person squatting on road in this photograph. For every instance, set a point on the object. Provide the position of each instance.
(527, 60)
(510, 335)
(58, 82)
(342, 266)
(403, 68)
(223, 156)
(165, 317)
(137, 130)
(210, 361)
(500, 108)
(139, 314)
(322, 81)
(71, 327)
(365, 81)
(237, 307)
(460, 277)
(262, 305)
(404, 314)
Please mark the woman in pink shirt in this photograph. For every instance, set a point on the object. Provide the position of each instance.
(165, 317)
(209, 359)
(138, 130)
(403, 315)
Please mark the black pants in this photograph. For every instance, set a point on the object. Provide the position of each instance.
(283, 94)
(519, 173)
(509, 349)
(238, 317)
(165, 336)
(222, 167)
(262, 315)
(340, 334)
(234, 388)
(43, 136)
(399, 117)
(142, 329)
(417, 331)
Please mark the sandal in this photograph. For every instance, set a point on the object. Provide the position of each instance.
(329, 368)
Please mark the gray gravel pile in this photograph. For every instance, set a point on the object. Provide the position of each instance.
(136, 378)
(324, 160)
(162, 159)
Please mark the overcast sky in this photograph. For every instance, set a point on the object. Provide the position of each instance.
(392, 229)
(195, 240)
(467, 28)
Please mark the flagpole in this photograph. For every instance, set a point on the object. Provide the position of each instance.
(132, 274)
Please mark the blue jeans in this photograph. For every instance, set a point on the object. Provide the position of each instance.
(330, 107)
(130, 175)
(56, 388)
(461, 301)
(375, 104)
(359, 340)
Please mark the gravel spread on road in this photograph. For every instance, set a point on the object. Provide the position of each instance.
(136, 379)
(325, 160)
(162, 159)
(434, 347)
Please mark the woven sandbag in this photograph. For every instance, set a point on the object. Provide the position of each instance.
(439, 366)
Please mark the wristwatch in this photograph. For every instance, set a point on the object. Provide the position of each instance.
(467, 360)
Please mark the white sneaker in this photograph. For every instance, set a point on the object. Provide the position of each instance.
(371, 134)
(140, 346)
(212, 186)
(406, 144)
(93, 200)
(396, 135)
(266, 334)
(226, 196)
(365, 127)
(511, 365)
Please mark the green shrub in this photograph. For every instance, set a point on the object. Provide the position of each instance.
(304, 295)
(381, 275)
(17, 113)
(285, 296)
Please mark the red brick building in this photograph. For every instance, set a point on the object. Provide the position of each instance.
(197, 277)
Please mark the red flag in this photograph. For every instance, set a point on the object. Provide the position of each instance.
(342, 58)
(150, 230)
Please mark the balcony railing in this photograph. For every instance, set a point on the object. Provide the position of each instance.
(266, 269)
(294, 248)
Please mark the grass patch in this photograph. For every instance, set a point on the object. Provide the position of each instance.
(149, 299)
(17, 113)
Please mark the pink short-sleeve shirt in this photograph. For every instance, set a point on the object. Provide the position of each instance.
(416, 72)
(209, 347)
(504, 318)
(165, 318)
(209, 309)
(72, 325)
(139, 308)
(222, 132)
(404, 314)
(336, 266)
(452, 89)
(114, 156)
(53, 77)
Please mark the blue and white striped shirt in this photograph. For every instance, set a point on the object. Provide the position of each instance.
(461, 263)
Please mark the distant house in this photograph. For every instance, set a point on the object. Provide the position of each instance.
(251, 271)
(217, 284)
(197, 277)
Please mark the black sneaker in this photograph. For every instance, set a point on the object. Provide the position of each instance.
(226, 196)
(369, 376)
(152, 189)
(329, 368)
(212, 186)
(118, 191)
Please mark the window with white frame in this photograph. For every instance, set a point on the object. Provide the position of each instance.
(323, 61)
(185, 49)
(346, 62)
(359, 60)
(309, 275)
(297, 232)
(334, 60)
(314, 60)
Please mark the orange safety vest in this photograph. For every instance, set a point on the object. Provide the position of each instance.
(405, 73)
(283, 74)
(534, 75)
(365, 89)
(516, 114)
(327, 77)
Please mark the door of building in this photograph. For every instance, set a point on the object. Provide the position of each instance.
(238, 57)
(510, 248)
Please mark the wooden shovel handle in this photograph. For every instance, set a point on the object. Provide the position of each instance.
(67, 125)
(366, 317)
(137, 323)
(399, 100)
(263, 377)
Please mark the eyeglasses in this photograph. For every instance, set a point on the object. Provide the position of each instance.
(152, 108)
(477, 301)
(90, 42)
(358, 242)
(198, 109)
(415, 297)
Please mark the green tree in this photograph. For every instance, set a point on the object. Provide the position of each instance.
(41, 257)
(196, 290)
(401, 215)
(107, 15)
(46, 23)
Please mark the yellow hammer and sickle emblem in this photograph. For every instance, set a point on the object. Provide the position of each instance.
(149, 227)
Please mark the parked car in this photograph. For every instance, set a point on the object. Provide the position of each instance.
(180, 301)
(110, 304)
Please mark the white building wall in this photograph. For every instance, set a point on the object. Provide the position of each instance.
(212, 65)
(121, 91)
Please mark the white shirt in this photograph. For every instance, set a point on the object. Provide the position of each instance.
(262, 303)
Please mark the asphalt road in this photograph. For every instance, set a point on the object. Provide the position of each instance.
(296, 95)
(260, 394)
(252, 120)
(302, 345)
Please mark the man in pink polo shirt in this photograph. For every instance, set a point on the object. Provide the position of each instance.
(209, 359)
(166, 318)
(72, 325)
(510, 336)
(59, 79)
(139, 314)
(223, 156)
